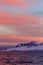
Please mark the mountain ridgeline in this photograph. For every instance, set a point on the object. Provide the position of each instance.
(29, 44)
(23, 46)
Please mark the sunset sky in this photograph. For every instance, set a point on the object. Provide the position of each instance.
(21, 21)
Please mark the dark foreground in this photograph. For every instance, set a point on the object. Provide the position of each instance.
(21, 58)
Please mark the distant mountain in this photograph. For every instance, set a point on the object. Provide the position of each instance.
(27, 46)
(33, 45)
(24, 48)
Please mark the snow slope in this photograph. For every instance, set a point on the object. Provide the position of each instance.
(25, 48)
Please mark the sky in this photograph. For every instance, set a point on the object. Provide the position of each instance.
(21, 21)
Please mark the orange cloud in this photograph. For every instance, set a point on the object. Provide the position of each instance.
(21, 21)
(22, 38)
(18, 39)
(21, 3)
(6, 18)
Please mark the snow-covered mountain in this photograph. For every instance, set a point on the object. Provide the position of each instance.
(29, 44)
(27, 47)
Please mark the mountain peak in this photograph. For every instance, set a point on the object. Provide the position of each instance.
(32, 43)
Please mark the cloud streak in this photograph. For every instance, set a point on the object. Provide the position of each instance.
(21, 20)
(24, 25)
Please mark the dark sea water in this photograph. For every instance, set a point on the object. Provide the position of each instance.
(31, 58)
(22, 58)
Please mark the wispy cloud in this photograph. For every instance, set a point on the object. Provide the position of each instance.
(21, 19)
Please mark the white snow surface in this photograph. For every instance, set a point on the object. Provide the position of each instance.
(25, 48)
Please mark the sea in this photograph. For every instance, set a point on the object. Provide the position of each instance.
(22, 57)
